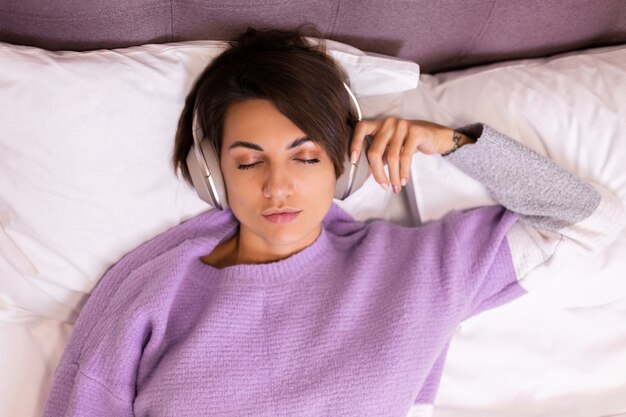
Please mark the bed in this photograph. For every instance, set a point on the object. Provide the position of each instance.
(90, 93)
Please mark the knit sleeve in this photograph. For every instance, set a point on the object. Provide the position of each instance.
(478, 271)
(560, 215)
(96, 374)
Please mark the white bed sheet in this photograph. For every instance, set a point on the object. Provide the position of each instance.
(560, 350)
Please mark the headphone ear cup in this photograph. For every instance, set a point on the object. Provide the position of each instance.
(206, 175)
(354, 176)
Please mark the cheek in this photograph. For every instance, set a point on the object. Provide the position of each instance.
(320, 180)
(240, 187)
(325, 180)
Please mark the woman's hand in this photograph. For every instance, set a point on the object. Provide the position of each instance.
(394, 142)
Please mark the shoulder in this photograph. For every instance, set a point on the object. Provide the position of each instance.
(346, 232)
(206, 225)
(477, 221)
(164, 253)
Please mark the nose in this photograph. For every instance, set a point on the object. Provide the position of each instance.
(278, 183)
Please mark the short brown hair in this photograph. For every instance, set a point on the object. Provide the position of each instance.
(297, 76)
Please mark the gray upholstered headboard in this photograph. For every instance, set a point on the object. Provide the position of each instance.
(438, 34)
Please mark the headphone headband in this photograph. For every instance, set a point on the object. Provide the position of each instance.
(359, 116)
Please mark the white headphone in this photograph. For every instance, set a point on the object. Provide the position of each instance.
(206, 175)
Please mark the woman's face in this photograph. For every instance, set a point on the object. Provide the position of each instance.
(268, 163)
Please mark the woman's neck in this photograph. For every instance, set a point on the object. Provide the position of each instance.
(244, 247)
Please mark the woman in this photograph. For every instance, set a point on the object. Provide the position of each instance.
(243, 311)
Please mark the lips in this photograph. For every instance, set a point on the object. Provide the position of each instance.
(282, 216)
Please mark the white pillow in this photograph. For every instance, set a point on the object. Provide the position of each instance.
(85, 145)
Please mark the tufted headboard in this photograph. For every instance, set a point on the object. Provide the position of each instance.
(439, 35)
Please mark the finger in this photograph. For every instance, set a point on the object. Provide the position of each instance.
(393, 153)
(376, 165)
(377, 149)
(362, 129)
(406, 158)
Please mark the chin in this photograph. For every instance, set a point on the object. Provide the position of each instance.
(284, 236)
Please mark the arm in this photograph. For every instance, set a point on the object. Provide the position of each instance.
(97, 371)
(122, 323)
(561, 216)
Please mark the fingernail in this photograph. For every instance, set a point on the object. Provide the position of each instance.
(403, 181)
(385, 185)
(353, 157)
(396, 189)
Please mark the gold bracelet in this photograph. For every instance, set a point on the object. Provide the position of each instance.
(456, 137)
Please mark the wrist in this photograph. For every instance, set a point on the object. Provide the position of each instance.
(453, 140)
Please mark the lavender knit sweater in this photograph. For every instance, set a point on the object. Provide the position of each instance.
(356, 324)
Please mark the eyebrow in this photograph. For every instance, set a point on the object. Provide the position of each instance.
(254, 146)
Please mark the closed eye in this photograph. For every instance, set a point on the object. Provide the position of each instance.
(247, 166)
(309, 161)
